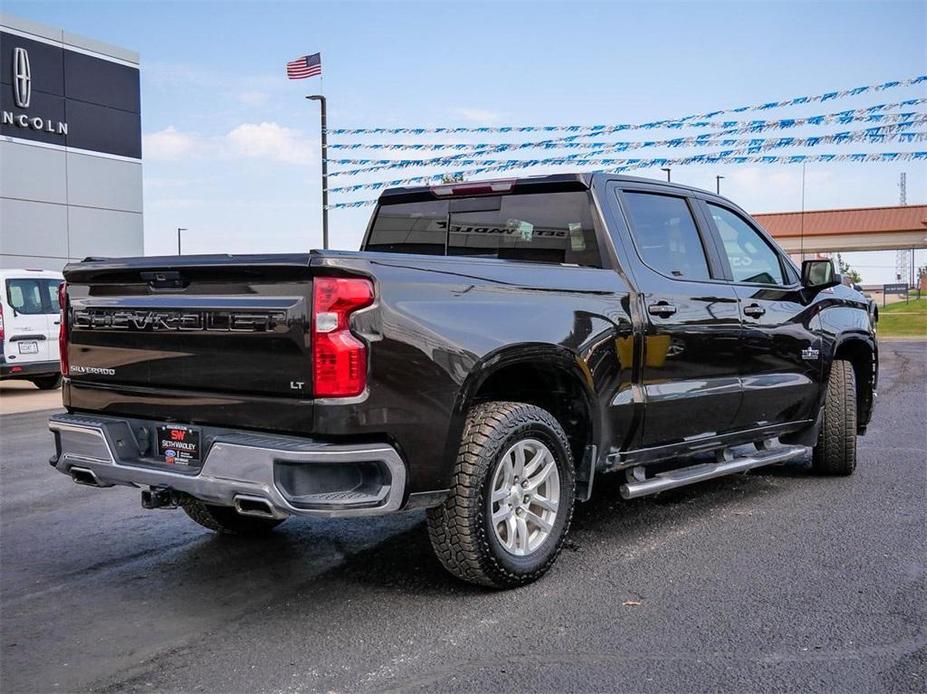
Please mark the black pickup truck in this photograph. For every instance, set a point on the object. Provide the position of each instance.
(493, 348)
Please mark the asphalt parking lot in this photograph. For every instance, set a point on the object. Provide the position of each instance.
(772, 581)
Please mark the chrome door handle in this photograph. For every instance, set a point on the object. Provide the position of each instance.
(661, 309)
(754, 310)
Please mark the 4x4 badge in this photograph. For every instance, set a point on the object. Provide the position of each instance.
(810, 353)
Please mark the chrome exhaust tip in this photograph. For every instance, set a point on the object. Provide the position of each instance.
(82, 475)
(254, 506)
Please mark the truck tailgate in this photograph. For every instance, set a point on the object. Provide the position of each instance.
(230, 325)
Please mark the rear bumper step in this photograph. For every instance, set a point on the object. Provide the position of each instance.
(681, 477)
(258, 474)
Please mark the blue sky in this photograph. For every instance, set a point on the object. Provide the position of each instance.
(230, 148)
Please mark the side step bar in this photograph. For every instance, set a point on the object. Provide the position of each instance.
(727, 464)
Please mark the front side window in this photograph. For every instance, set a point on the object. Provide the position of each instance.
(751, 258)
(25, 296)
(666, 235)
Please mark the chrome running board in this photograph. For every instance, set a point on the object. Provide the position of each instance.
(727, 464)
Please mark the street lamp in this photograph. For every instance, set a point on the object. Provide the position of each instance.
(179, 229)
(718, 184)
(321, 100)
(667, 170)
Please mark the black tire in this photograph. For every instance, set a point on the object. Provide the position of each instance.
(226, 520)
(835, 451)
(47, 382)
(461, 529)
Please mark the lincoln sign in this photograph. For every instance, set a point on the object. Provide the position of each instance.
(59, 97)
(22, 97)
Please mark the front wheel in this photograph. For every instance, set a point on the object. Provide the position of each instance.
(511, 499)
(835, 451)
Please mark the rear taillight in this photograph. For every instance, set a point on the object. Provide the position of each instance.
(63, 327)
(339, 359)
(2, 334)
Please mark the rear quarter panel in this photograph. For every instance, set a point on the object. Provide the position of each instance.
(438, 325)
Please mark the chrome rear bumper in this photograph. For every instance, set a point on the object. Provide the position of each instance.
(241, 469)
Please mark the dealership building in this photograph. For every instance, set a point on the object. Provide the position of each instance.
(70, 148)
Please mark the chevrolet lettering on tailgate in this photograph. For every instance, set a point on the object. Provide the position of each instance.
(223, 321)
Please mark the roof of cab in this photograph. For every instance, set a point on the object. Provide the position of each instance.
(522, 184)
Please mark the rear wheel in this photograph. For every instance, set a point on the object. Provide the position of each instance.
(226, 520)
(47, 382)
(511, 500)
(835, 451)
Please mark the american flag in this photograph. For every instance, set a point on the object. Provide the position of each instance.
(305, 66)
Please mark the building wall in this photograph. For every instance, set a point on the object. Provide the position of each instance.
(70, 160)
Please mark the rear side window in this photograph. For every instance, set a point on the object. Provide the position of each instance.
(666, 235)
(51, 289)
(751, 258)
(537, 227)
(28, 296)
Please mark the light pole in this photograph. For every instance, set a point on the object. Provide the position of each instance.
(718, 184)
(321, 100)
(667, 170)
(179, 229)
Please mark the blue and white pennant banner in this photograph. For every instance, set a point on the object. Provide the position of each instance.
(879, 134)
(764, 106)
(492, 165)
(725, 159)
(871, 114)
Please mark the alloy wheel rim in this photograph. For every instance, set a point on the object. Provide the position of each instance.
(525, 497)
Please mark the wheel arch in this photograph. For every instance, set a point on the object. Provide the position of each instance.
(549, 376)
(862, 353)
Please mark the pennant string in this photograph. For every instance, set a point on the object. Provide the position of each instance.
(727, 158)
(764, 106)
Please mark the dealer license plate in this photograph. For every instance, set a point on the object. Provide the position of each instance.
(179, 445)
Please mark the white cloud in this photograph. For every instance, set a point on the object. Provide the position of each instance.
(478, 115)
(269, 141)
(253, 97)
(168, 145)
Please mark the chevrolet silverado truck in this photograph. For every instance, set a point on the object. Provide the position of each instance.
(494, 348)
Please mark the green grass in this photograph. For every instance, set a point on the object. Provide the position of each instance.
(903, 319)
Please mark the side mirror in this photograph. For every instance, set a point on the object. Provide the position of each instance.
(819, 274)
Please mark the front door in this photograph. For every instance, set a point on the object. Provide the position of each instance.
(780, 360)
(689, 378)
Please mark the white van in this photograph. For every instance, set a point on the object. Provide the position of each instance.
(29, 320)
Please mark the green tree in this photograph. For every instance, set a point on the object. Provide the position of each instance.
(847, 271)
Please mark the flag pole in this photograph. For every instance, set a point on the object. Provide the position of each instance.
(322, 104)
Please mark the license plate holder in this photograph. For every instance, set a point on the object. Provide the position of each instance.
(30, 347)
(179, 444)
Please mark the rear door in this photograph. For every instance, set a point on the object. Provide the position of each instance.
(26, 321)
(689, 376)
(53, 315)
(780, 357)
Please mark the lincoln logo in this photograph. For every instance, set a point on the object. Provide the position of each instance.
(22, 77)
(22, 95)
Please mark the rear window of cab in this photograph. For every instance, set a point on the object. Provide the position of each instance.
(534, 227)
